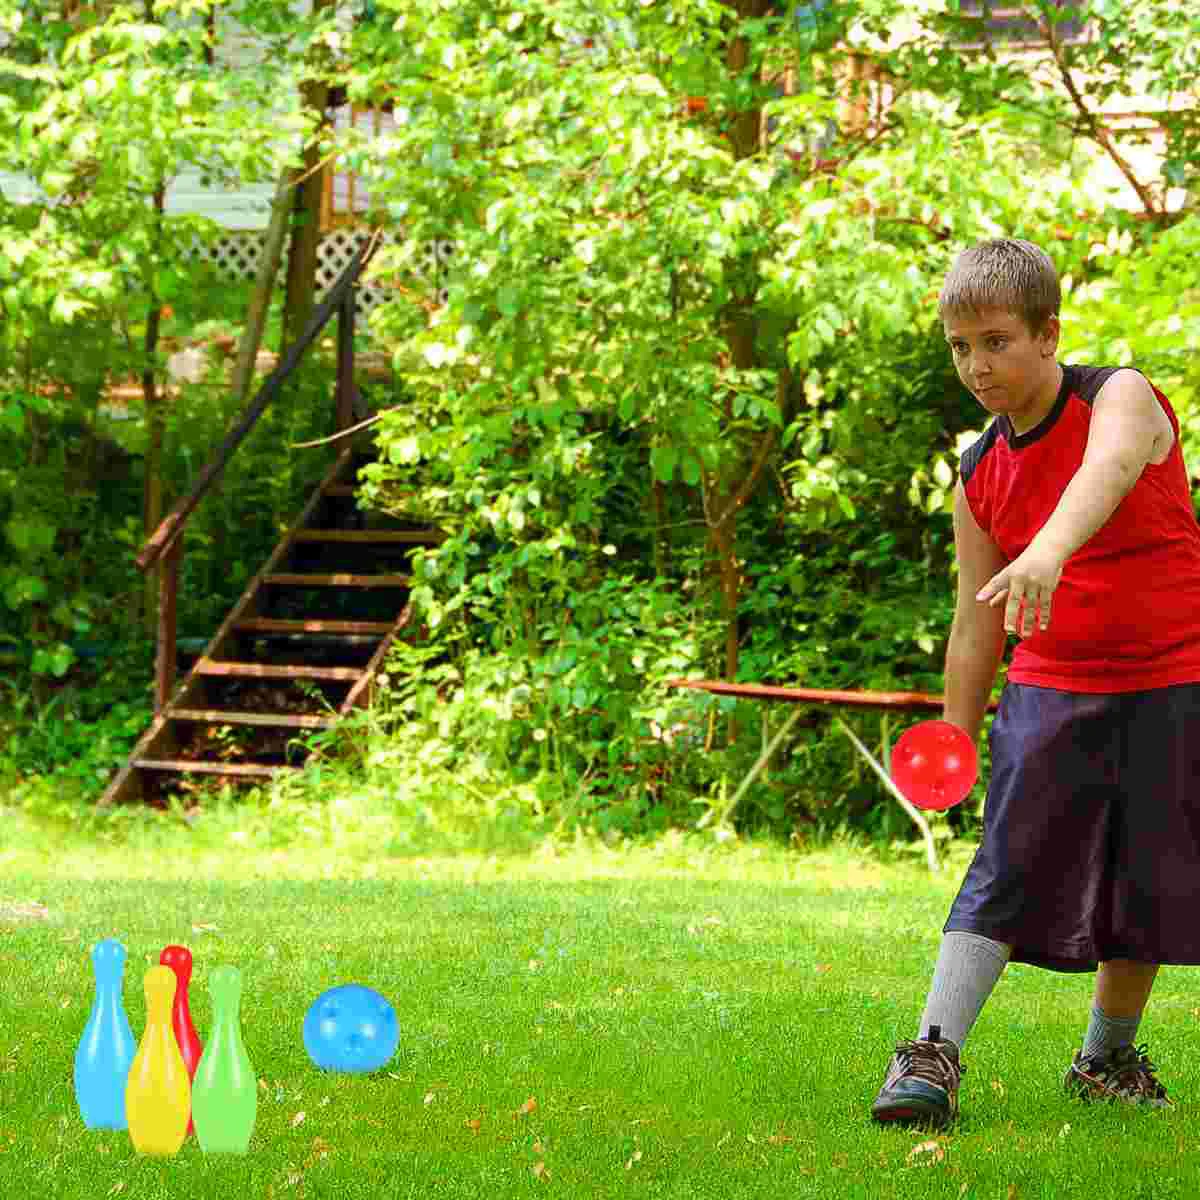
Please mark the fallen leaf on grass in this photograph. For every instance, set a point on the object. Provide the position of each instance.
(203, 928)
(320, 1150)
(778, 1139)
(636, 1157)
(1012, 1191)
(538, 1148)
(529, 1106)
(119, 1186)
(540, 1171)
(474, 1124)
(430, 1097)
(30, 910)
(927, 1153)
(298, 1119)
(1062, 1133)
(823, 967)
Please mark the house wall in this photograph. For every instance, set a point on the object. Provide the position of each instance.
(243, 208)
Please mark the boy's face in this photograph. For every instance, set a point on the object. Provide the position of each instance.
(1007, 368)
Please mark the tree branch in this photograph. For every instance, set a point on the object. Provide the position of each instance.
(1096, 128)
(762, 457)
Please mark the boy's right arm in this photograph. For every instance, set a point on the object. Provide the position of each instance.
(977, 636)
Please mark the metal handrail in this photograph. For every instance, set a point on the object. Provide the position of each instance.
(338, 299)
(164, 547)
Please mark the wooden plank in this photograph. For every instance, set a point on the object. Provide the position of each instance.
(843, 699)
(403, 537)
(217, 716)
(360, 693)
(349, 490)
(126, 785)
(247, 605)
(348, 628)
(245, 670)
(289, 579)
(185, 766)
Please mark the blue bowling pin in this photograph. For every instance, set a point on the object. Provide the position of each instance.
(106, 1050)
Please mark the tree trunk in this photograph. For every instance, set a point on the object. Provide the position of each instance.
(264, 286)
(156, 419)
(737, 482)
(306, 233)
(662, 538)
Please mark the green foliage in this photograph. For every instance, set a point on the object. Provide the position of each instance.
(100, 116)
(58, 573)
(686, 408)
(582, 409)
(1137, 303)
(59, 750)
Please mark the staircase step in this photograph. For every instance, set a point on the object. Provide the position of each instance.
(338, 580)
(217, 716)
(245, 670)
(409, 537)
(349, 628)
(180, 765)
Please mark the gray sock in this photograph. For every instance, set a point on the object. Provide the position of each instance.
(968, 967)
(1108, 1033)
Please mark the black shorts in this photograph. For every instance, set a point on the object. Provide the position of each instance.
(1091, 841)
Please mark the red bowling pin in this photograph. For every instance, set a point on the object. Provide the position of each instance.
(179, 959)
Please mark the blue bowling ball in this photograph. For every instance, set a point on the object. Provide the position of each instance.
(350, 1028)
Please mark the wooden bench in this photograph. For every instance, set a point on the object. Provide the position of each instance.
(886, 702)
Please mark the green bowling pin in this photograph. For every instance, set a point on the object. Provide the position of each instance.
(225, 1092)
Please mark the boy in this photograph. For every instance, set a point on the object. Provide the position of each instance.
(1074, 530)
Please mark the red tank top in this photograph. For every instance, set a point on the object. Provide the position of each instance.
(1126, 613)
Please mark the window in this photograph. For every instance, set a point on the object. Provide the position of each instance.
(1001, 22)
(345, 198)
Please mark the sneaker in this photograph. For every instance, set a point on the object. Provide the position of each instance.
(1124, 1074)
(921, 1087)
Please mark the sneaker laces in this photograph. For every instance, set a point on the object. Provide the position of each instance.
(927, 1061)
(1132, 1073)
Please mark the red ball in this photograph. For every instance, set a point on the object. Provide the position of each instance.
(934, 765)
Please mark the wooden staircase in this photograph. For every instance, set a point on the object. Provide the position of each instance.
(300, 649)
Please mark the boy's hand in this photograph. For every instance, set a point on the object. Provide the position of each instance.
(1025, 588)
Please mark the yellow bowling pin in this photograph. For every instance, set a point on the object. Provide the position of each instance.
(158, 1095)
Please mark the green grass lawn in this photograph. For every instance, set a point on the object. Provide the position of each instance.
(682, 1019)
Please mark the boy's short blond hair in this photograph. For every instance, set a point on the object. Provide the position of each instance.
(1005, 273)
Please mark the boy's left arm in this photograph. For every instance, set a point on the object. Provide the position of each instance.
(1128, 429)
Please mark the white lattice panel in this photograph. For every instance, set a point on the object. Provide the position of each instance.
(237, 256)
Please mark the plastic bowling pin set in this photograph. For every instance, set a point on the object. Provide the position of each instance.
(169, 1084)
